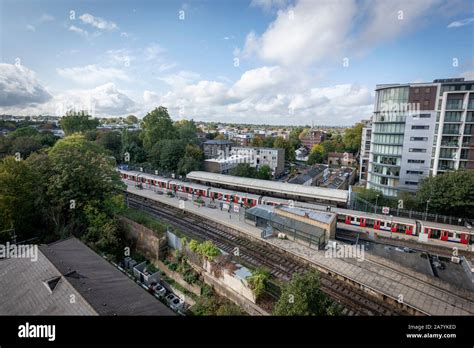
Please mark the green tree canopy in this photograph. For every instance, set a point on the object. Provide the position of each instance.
(353, 137)
(156, 126)
(303, 296)
(244, 170)
(131, 119)
(450, 193)
(77, 122)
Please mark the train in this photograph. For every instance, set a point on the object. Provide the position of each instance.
(446, 235)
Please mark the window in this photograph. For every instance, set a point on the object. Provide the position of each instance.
(420, 127)
(414, 172)
(427, 90)
(426, 102)
(416, 161)
(418, 138)
(411, 183)
(417, 150)
(417, 90)
(425, 116)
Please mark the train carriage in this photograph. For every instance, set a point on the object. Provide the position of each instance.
(447, 233)
(376, 221)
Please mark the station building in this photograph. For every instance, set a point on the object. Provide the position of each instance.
(307, 227)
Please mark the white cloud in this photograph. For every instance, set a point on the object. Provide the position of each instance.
(92, 74)
(79, 31)
(123, 57)
(20, 87)
(104, 100)
(31, 28)
(149, 96)
(385, 20)
(304, 33)
(180, 79)
(154, 51)
(98, 22)
(461, 23)
(313, 31)
(45, 17)
(254, 80)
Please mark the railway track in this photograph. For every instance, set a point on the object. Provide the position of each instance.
(355, 301)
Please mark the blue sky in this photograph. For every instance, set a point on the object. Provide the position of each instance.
(261, 61)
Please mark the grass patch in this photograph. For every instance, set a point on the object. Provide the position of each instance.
(146, 220)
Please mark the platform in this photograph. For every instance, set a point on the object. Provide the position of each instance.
(380, 275)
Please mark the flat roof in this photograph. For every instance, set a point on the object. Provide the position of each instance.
(104, 287)
(271, 186)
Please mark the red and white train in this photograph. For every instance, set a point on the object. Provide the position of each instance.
(447, 235)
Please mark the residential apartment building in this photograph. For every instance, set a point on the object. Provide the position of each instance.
(216, 148)
(259, 156)
(313, 137)
(365, 151)
(420, 129)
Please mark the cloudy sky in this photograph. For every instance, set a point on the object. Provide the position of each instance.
(256, 61)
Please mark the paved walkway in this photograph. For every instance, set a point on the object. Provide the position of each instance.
(380, 275)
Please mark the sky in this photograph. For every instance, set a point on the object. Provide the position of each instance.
(279, 62)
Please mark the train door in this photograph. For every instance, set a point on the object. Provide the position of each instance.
(363, 222)
(376, 224)
(464, 238)
(409, 229)
(348, 220)
(444, 235)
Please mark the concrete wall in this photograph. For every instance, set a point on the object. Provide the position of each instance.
(146, 240)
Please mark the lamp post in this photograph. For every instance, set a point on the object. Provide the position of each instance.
(426, 212)
(376, 202)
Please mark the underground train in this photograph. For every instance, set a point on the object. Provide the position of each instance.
(446, 234)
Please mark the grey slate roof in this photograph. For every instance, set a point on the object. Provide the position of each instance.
(23, 290)
(104, 287)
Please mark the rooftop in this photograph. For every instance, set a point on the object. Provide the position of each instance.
(104, 287)
(270, 186)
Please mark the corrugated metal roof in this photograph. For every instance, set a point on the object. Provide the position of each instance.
(271, 186)
(268, 213)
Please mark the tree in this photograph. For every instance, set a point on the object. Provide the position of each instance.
(451, 193)
(81, 175)
(243, 170)
(315, 158)
(353, 137)
(281, 143)
(303, 296)
(257, 141)
(192, 160)
(258, 281)
(186, 130)
(132, 145)
(77, 122)
(112, 141)
(131, 119)
(264, 173)
(220, 136)
(19, 195)
(170, 152)
(294, 137)
(156, 126)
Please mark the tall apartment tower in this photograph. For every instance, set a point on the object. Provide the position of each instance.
(365, 151)
(420, 129)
